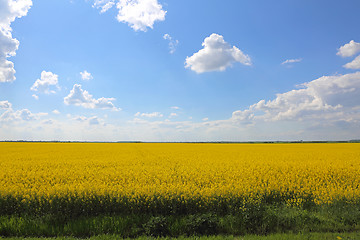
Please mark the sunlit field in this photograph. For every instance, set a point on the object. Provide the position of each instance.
(212, 173)
(91, 179)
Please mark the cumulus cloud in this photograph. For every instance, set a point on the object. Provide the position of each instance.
(11, 116)
(35, 96)
(217, 55)
(55, 111)
(327, 98)
(48, 83)
(83, 98)
(327, 108)
(85, 75)
(292, 61)
(149, 115)
(355, 64)
(172, 42)
(349, 49)
(9, 11)
(138, 14)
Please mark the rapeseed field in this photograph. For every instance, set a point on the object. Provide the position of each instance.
(174, 177)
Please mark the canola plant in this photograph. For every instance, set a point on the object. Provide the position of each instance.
(174, 177)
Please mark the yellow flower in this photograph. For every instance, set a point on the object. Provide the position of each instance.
(161, 172)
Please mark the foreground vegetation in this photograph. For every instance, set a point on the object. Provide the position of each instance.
(300, 236)
(82, 190)
(263, 221)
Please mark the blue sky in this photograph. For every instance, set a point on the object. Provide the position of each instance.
(157, 70)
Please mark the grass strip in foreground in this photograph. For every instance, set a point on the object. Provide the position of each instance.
(262, 220)
(300, 236)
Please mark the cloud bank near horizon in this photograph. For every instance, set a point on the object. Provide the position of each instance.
(327, 108)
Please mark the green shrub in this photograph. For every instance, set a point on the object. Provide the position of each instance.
(156, 226)
(203, 224)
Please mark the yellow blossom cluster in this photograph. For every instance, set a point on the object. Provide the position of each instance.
(181, 171)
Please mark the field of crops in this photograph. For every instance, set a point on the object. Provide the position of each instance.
(182, 172)
(88, 179)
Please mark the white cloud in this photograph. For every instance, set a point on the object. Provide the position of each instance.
(94, 120)
(292, 61)
(205, 119)
(83, 98)
(327, 108)
(85, 75)
(5, 105)
(25, 115)
(48, 121)
(172, 42)
(149, 115)
(55, 111)
(48, 83)
(105, 5)
(349, 49)
(35, 96)
(80, 118)
(355, 64)
(175, 107)
(11, 116)
(173, 115)
(217, 55)
(327, 98)
(9, 11)
(140, 14)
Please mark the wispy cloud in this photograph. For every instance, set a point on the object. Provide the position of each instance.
(104, 5)
(172, 42)
(149, 115)
(292, 61)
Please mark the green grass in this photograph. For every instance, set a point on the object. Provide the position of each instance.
(300, 236)
(260, 220)
(269, 217)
